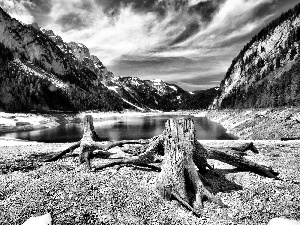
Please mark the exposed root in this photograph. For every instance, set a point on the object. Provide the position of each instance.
(127, 163)
(185, 203)
(121, 143)
(62, 153)
(240, 162)
(141, 160)
(245, 147)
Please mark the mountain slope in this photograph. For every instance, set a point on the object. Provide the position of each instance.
(52, 74)
(141, 94)
(199, 99)
(266, 72)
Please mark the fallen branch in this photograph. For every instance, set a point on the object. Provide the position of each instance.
(240, 162)
(121, 143)
(290, 139)
(185, 204)
(247, 146)
(141, 160)
(62, 153)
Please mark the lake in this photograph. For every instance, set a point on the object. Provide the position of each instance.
(123, 128)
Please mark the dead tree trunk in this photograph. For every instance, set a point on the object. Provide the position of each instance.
(179, 177)
(87, 144)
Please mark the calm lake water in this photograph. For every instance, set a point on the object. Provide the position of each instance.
(124, 128)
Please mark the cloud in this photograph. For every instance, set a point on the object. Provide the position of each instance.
(124, 29)
(192, 87)
(195, 2)
(18, 9)
(113, 29)
(235, 17)
(113, 33)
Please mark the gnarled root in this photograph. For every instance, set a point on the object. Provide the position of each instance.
(141, 160)
(62, 153)
(240, 162)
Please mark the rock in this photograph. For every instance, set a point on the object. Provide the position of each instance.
(282, 221)
(39, 220)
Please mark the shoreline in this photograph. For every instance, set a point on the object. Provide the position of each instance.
(259, 124)
(254, 124)
(18, 122)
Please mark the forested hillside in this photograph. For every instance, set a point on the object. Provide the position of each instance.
(199, 99)
(21, 90)
(266, 72)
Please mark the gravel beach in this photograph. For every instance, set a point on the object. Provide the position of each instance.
(127, 196)
(259, 124)
(29, 187)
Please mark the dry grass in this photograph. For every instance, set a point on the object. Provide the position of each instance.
(127, 196)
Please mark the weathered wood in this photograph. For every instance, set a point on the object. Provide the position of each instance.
(121, 143)
(240, 162)
(183, 165)
(178, 169)
(200, 157)
(185, 203)
(290, 139)
(245, 147)
(62, 153)
(141, 160)
(87, 144)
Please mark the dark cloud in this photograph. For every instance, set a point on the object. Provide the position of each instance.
(40, 10)
(206, 9)
(113, 5)
(71, 21)
(190, 29)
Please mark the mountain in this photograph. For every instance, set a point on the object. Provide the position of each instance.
(266, 71)
(140, 94)
(39, 71)
(199, 99)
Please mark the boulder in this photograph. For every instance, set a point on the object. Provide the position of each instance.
(39, 220)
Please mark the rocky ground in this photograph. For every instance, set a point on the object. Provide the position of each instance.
(11, 122)
(127, 196)
(259, 124)
(29, 187)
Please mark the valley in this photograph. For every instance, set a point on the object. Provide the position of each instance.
(50, 88)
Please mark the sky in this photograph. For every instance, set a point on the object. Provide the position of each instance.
(190, 43)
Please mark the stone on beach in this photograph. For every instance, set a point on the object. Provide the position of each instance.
(39, 220)
(283, 221)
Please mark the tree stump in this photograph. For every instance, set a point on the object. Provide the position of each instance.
(88, 141)
(179, 176)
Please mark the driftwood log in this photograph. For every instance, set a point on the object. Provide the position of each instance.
(184, 160)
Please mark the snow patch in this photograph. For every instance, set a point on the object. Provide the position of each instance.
(174, 88)
(139, 108)
(113, 88)
(157, 81)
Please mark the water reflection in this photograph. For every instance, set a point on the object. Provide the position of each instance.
(125, 128)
